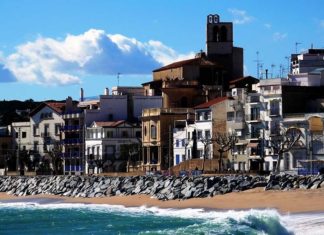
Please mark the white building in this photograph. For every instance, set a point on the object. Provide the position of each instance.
(46, 122)
(108, 145)
(182, 141)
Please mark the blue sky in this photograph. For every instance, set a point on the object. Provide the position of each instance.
(50, 49)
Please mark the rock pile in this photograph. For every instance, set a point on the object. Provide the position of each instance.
(160, 187)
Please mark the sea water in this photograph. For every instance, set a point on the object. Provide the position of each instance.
(63, 218)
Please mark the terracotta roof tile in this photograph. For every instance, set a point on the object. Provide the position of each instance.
(212, 102)
(110, 123)
(194, 61)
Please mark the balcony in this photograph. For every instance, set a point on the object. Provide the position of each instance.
(71, 128)
(74, 141)
(73, 115)
(73, 168)
(253, 135)
(72, 155)
(253, 118)
(273, 112)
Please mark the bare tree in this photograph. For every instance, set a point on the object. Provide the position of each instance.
(225, 142)
(56, 159)
(206, 142)
(284, 142)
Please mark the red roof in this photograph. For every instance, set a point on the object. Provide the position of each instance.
(110, 124)
(246, 79)
(212, 102)
(194, 61)
(55, 106)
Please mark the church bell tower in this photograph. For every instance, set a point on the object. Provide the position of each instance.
(219, 37)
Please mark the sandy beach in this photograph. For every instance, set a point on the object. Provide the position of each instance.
(294, 201)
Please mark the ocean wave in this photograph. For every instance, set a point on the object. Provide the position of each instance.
(265, 221)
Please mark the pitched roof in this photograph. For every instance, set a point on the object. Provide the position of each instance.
(194, 61)
(249, 79)
(55, 106)
(212, 102)
(110, 123)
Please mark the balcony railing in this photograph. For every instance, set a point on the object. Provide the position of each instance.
(72, 141)
(71, 128)
(253, 135)
(251, 118)
(73, 168)
(71, 155)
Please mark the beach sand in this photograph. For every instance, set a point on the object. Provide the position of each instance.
(294, 201)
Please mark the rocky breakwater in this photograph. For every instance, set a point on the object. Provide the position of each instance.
(160, 187)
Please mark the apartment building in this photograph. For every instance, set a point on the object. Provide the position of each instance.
(112, 146)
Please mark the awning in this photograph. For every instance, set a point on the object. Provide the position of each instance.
(253, 145)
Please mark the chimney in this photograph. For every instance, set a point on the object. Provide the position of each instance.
(81, 94)
(266, 71)
(106, 91)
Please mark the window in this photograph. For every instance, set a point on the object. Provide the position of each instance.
(153, 131)
(46, 128)
(24, 134)
(255, 113)
(110, 134)
(35, 145)
(138, 134)
(17, 135)
(200, 116)
(230, 116)
(207, 134)
(177, 143)
(183, 142)
(124, 134)
(57, 128)
(188, 135)
(145, 131)
(199, 134)
(35, 130)
(207, 115)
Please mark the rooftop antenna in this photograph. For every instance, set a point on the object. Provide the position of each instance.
(261, 70)
(288, 64)
(258, 64)
(281, 71)
(272, 67)
(118, 79)
(296, 46)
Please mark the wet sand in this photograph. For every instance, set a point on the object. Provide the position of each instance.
(294, 201)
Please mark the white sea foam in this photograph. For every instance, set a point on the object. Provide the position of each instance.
(306, 223)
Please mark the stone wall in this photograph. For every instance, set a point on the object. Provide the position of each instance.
(160, 187)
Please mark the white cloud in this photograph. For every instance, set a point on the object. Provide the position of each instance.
(60, 62)
(268, 26)
(277, 36)
(240, 16)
